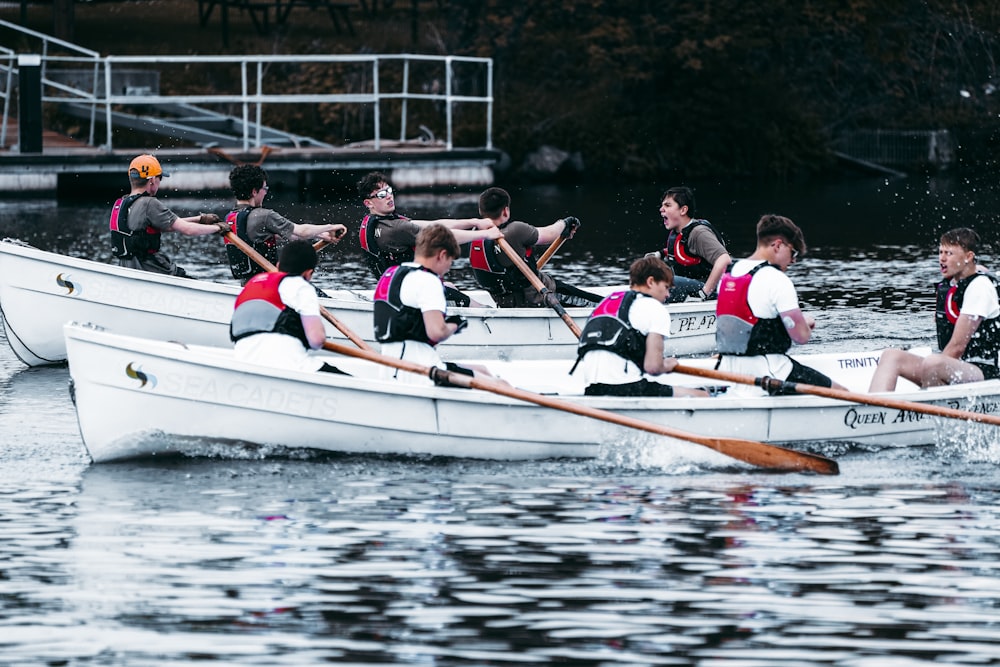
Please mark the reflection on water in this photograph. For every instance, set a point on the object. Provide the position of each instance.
(624, 560)
(395, 562)
(872, 242)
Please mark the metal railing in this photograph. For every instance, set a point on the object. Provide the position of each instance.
(899, 148)
(258, 88)
(8, 59)
(47, 45)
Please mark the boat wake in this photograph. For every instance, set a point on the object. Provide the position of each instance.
(969, 441)
(663, 455)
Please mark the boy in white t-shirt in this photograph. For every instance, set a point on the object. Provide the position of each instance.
(968, 324)
(276, 320)
(758, 316)
(410, 309)
(622, 342)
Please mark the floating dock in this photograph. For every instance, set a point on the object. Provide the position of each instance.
(66, 170)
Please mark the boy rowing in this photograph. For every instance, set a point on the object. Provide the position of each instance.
(139, 219)
(968, 324)
(389, 238)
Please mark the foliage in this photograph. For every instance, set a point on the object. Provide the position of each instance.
(645, 88)
(728, 86)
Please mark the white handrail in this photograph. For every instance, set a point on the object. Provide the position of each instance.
(9, 68)
(382, 70)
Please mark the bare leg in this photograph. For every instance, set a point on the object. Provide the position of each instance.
(484, 372)
(893, 365)
(938, 370)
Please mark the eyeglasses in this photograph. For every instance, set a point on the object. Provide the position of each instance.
(383, 193)
(795, 253)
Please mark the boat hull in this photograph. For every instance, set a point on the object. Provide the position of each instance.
(137, 397)
(41, 291)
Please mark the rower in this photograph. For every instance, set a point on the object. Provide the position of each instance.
(410, 312)
(389, 238)
(968, 324)
(276, 320)
(622, 341)
(758, 315)
(695, 250)
(496, 272)
(139, 219)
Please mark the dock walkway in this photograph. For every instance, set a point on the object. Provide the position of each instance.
(117, 99)
(67, 167)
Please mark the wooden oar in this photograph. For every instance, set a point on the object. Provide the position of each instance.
(322, 243)
(271, 268)
(755, 453)
(551, 250)
(771, 384)
(537, 283)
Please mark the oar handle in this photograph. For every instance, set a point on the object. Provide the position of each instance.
(771, 384)
(537, 283)
(755, 453)
(248, 250)
(263, 263)
(322, 243)
(551, 250)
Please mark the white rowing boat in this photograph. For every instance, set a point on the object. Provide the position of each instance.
(40, 291)
(137, 397)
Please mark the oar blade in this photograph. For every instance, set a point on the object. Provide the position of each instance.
(773, 457)
(763, 455)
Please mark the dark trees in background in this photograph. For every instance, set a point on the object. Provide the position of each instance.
(648, 88)
(63, 19)
(729, 86)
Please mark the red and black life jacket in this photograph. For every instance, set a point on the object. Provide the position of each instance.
(985, 342)
(379, 260)
(609, 329)
(737, 330)
(127, 243)
(259, 309)
(485, 258)
(242, 267)
(394, 321)
(681, 260)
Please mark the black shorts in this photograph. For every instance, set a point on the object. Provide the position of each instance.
(456, 298)
(455, 368)
(641, 387)
(990, 371)
(807, 375)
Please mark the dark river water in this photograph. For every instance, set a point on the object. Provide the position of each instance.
(629, 560)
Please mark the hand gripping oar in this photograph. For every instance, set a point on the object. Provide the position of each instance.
(271, 268)
(772, 385)
(540, 286)
(537, 283)
(322, 243)
(755, 453)
(551, 250)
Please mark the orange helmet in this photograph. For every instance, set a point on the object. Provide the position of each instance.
(145, 166)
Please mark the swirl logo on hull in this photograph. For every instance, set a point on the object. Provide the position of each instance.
(63, 281)
(135, 373)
